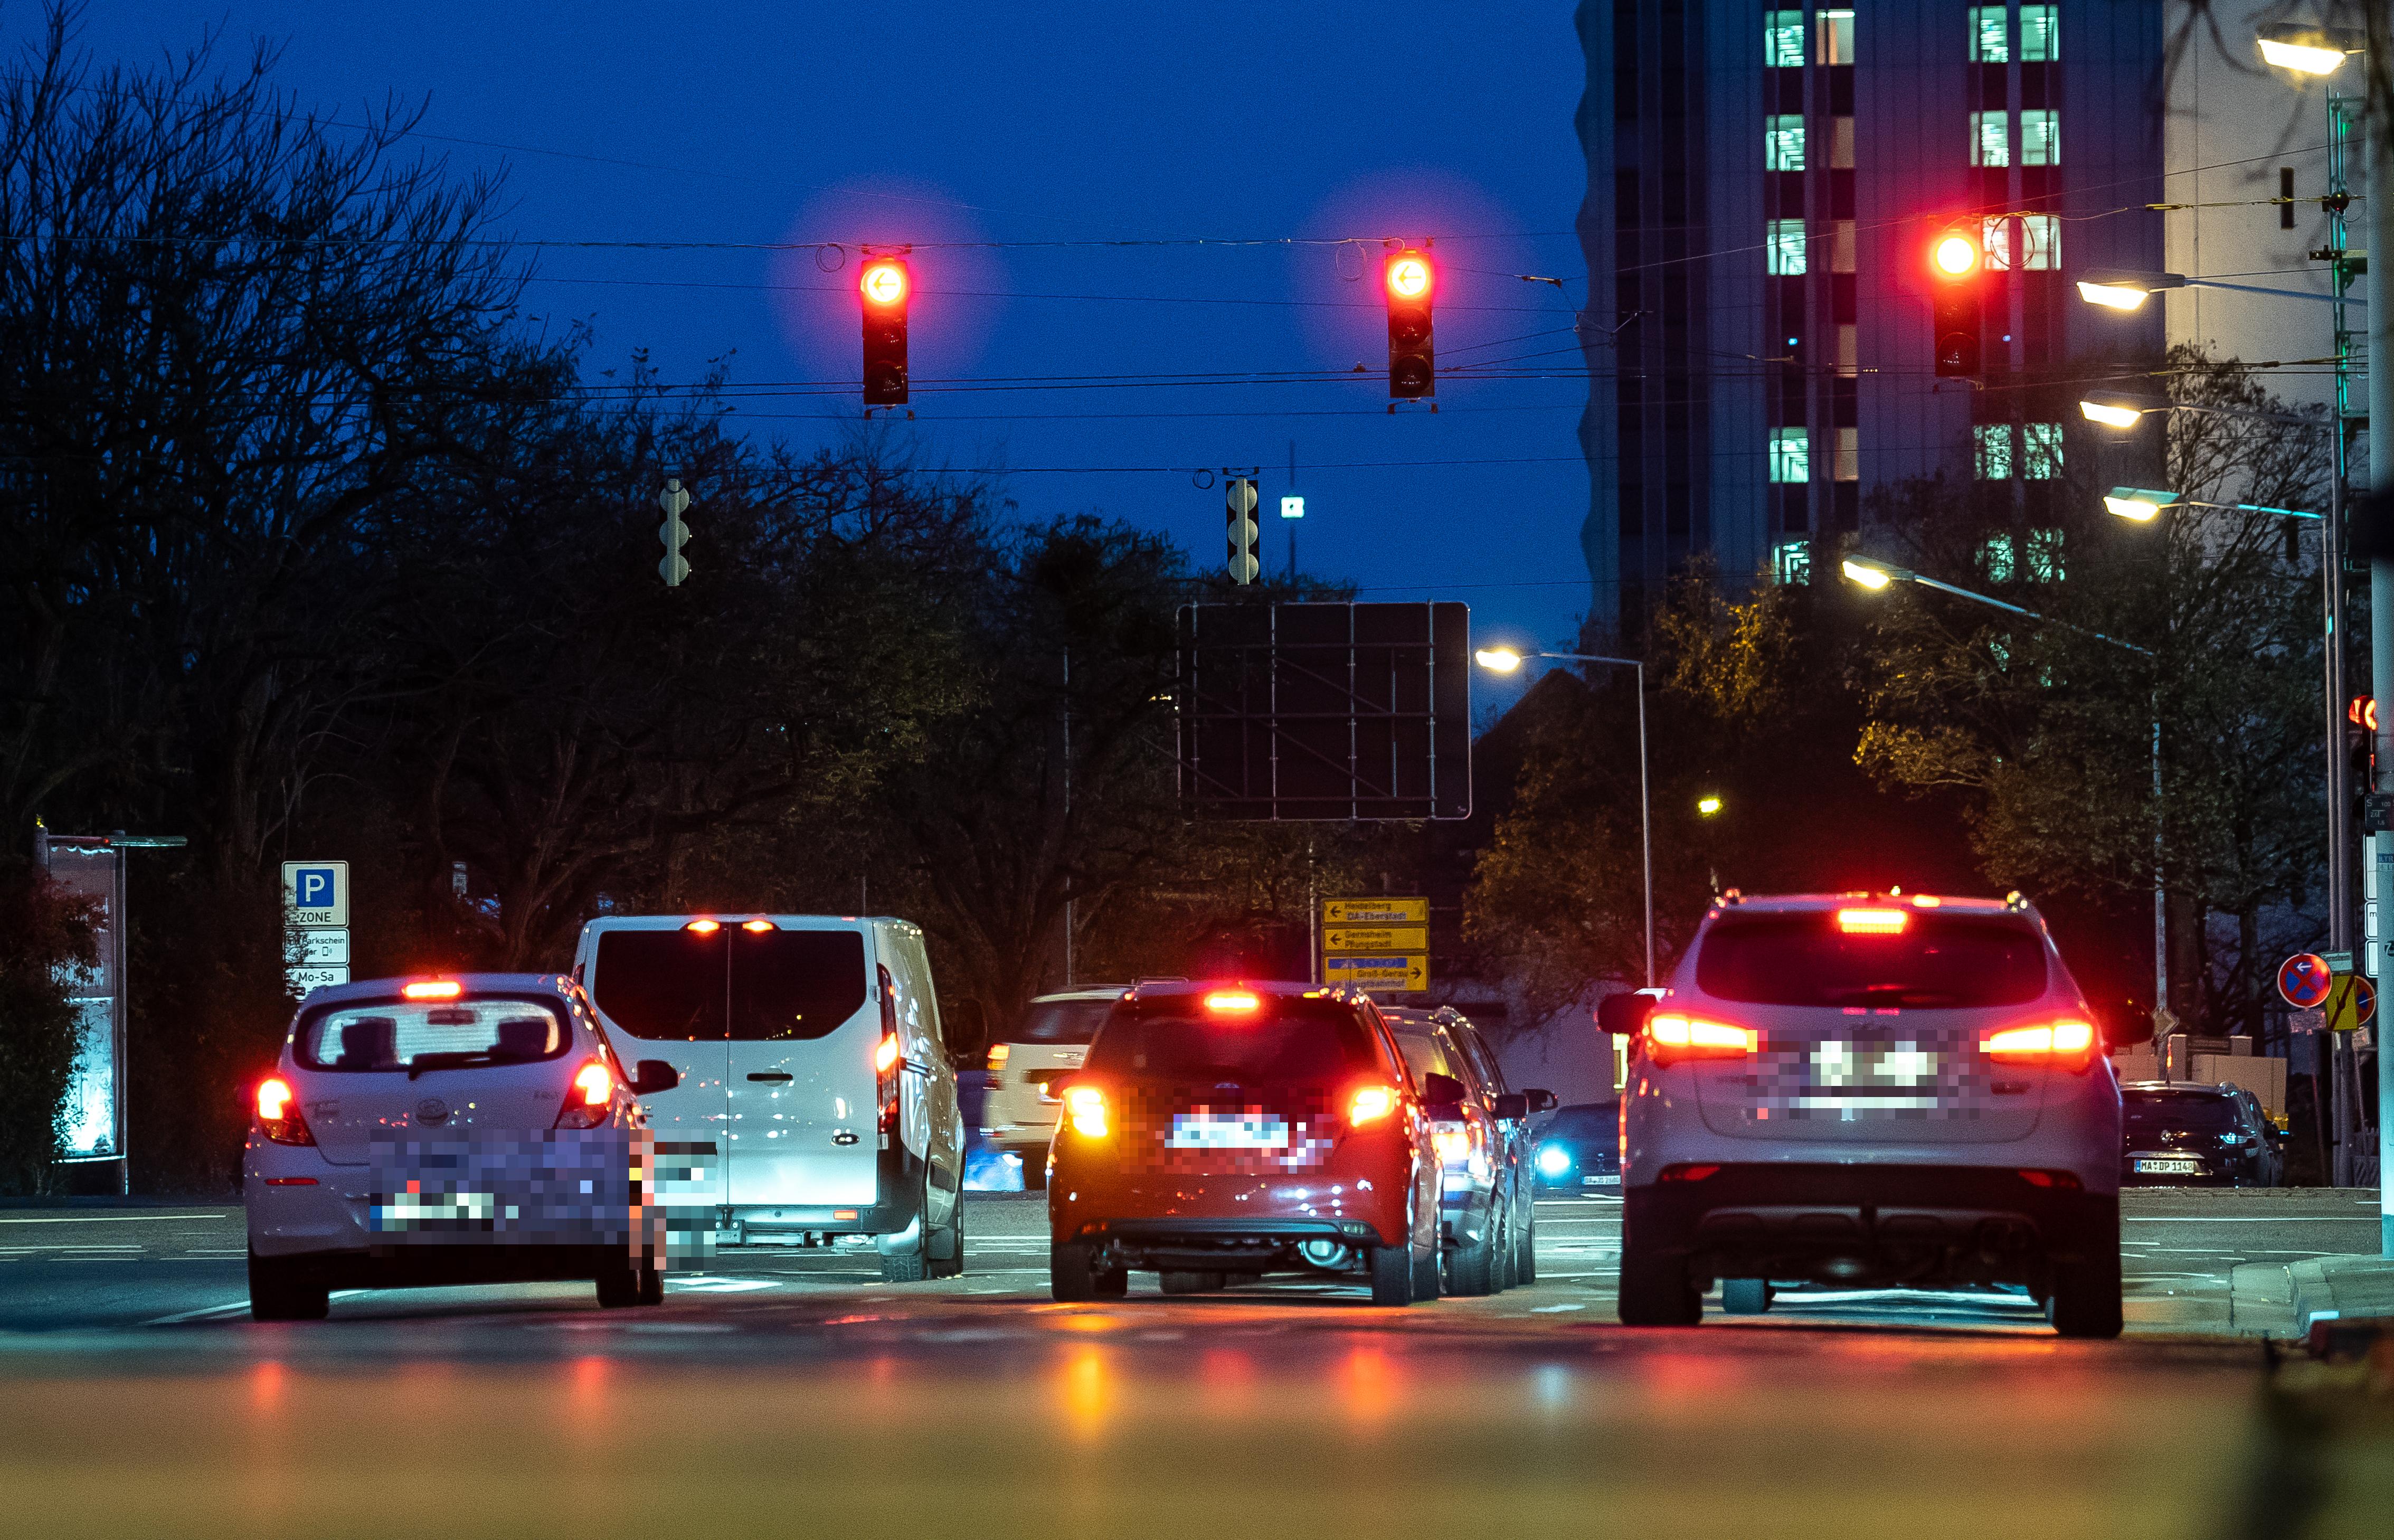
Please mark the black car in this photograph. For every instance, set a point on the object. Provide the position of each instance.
(2174, 1134)
(1579, 1149)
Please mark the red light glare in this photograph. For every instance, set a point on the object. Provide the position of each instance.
(704, 928)
(273, 1097)
(1410, 275)
(885, 1057)
(883, 283)
(1956, 256)
(758, 928)
(1238, 1001)
(2362, 712)
(1371, 1104)
(438, 989)
(595, 1083)
(1872, 922)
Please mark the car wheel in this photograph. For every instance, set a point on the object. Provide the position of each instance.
(1392, 1275)
(619, 1285)
(1745, 1296)
(904, 1267)
(2086, 1299)
(1655, 1291)
(1427, 1284)
(1073, 1278)
(1504, 1252)
(286, 1288)
(1192, 1283)
(1525, 1245)
(652, 1285)
(949, 1239)
(1471, 1271)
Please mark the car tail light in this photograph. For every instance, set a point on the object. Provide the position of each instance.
(278, 1112)
(590, 1098)
(1452, 1142)
(1370, 1104)
(1084, 1108)
(1872, 922)
(886, 1054)
(704, 928)
(1670, 1038)
(2063, 1181)
(1235, 1001)
(758, 928)
(998, 1054)
(1686, 1173)
(2068, 1044)
(433, 989)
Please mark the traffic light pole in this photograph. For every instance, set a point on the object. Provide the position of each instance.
(2379, 65)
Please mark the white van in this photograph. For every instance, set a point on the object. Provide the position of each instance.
(817, 1098)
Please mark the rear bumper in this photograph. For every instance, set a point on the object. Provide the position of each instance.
(898, 1181)
(1369, 1210)
(1869, 1225)
(1217, 1245)
(435, 1266)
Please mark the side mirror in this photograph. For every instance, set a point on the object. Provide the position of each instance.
(1624, 1015)
(1441, 1091)
(1512, 1107)
(1538, 1100)
(651, 1076)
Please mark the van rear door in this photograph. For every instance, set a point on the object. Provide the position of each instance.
(661, 984)
(803, 1113)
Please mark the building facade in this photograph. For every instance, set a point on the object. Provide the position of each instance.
(1766, 183)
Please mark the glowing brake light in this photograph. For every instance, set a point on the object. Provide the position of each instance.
(704, 928)
(1670, 1038)
(595, 1083)
(438, 989)
(1371, 1104)
(2070, 1043)
(1084, 1106)
(885, 1057)
(1240, 1001)
(278, 1112)
(758, 928)
(998, 1054)
(1872, 922)
(589, 1099)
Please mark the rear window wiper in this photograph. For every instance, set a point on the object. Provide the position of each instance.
(1899, 994)
(455, 1060)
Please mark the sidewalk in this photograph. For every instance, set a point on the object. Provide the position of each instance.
(2274, 1301)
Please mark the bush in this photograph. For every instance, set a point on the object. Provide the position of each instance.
(43, 933)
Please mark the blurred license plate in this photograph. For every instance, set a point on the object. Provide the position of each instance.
(1220, 1131)
(2170, 1167)
(1610, 1178)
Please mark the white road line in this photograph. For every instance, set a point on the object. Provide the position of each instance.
(206, 1313)
(107, 1219)
(2250, 1219)
(1554, 1310)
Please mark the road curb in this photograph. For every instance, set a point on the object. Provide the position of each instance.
(2284, 1301)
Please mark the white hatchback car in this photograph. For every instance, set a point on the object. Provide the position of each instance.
(474, 1128)
(1869, 1091)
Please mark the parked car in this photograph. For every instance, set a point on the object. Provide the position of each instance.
(1579, 1149)
(1233, 1129)
(1868, 1090)
(469, 1129)
(1026, 1065)
(2197, 1135)
(818, 1102)
(1514, 1132)
(1478, 1137)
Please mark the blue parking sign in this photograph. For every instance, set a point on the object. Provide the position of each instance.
(316, 893)
(312, 887)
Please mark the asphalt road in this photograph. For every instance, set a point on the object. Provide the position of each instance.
(792, 1390)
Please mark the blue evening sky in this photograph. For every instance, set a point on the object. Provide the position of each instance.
(1050, 123)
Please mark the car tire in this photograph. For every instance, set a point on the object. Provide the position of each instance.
(1745, 1296)
(948, 1238)
(2086, 1298)
(1525, 1245)
(652, 1285)
(1503, 1256)
(1471, 1270)
(286, 1288)
(1192, 1283)
(904, 1267)
(619, 1285)
(1073, 1278)
(1428, 1285)
(1392, 1275)
(1655, 1292)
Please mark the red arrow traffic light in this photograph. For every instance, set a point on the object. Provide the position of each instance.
(1956, 270)
(886, 285)
(1412, 353)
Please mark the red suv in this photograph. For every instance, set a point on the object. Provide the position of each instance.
(1230, 1129)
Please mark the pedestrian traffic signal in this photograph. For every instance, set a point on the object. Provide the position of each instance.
(1239, 508)
(1957, 301)
(1412, 354)
(673, 533)
(886, 287)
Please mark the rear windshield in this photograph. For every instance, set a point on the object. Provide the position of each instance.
(1299, 1040)
(1590, 1120)
(772, 985)
(1936, 961)
(1061, 1021)
(419, 1036)
(1425, 1055)
(2157, 1112)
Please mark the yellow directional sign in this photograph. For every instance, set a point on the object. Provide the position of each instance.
(1375, 938)
(1374, 912)
(1402, 971)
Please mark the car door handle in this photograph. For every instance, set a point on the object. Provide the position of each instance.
(769, 1075)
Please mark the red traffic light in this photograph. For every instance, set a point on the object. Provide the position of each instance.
(1412, 283)
(2362, 712)
(885, 283)
(1410, 276)
(1955, 255)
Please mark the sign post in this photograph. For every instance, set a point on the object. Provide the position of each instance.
(316, 919)
(1377, 943)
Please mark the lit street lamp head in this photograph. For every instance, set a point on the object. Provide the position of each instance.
(2114, 411)
(1706, 806)
(1501, 660)
(2309, 50)
(2139, 503)
(2118, 290)
(1869, 572)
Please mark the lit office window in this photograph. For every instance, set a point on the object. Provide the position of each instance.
(1991, 138)
(1991, 456)
(1782, 142)
(1791, 454)
(1791, 562)
(1995, 560)
(1995, 238)
(1841, 246)
(1836, 37)
(1849, 351)
(2045, 556)
(1991, 38)
(2041, 233)
(2041, 137)
(1783, 247)
(1783, 40)
(2043, 457)
(1841, 144)
(1849, 464)
(2040, 34)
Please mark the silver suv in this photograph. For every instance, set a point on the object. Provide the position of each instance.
(1869, 1091)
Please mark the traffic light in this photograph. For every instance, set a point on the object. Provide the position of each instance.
(1412, 352)
(2360, 747)
(1957, 281)
(673, 533)
(1239, 510)
(885, 287)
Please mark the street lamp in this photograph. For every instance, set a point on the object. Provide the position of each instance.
(1871, 572)
(1504, 659)
(1707, 805)
(2310, 50)
(2127, 289)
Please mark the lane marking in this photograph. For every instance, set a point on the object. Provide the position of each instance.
(2232, 1220)
(1553, 1309)
(202, 1314)
(109, 1219)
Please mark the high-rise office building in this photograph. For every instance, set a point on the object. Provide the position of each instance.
(1766, 186)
